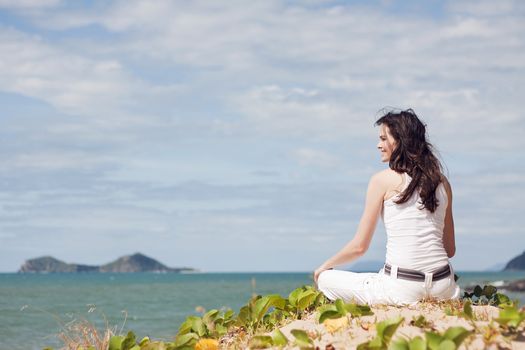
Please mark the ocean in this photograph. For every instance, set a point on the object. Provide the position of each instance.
(34, 308)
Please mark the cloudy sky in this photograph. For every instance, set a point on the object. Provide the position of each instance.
(238, 136)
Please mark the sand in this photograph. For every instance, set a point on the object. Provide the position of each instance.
(354, 331)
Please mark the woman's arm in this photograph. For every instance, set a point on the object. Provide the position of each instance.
(449, 241)
(359, 244)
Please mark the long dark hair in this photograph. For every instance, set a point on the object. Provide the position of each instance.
(414, 155)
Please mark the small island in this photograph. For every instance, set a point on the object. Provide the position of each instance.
(126, 264)
(516, 263)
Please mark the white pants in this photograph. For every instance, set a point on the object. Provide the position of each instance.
(379, 288)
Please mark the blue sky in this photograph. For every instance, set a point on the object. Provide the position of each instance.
(235, 136)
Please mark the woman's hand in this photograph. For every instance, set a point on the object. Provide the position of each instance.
(318, 271)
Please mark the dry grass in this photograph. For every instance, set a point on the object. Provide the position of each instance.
(82, 333)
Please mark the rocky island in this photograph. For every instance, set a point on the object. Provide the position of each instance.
(129, 263)
(517, 263)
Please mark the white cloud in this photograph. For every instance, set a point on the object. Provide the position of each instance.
(70, 82)
(298, 112)
(28, 4)
(486, 7)
(61, 160)
(313, 157)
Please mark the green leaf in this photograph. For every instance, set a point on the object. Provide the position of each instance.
(319, 299)
(244, 316)
(188, 339)
(478, 291)
(115, 342)
(419, 322)
(279, 339)
(399, 344)
(385, 331)
(129, 342)
(376, 343)
(489, 291)
(198, 326)
(209, 317)
(305, 299)
(277, 302)
(447, 345)
(417, 343)
(228, 314)
(156, 345)
(325, 308)
(510, 316)
(456, 334)
(387, 328)
(340, 306)
(467, 310)
(301, 339)
(328, 314)
(220, 330)
(144, 341)
(358, 310)
(185, 327)
(433, 340)
(260, 307)
(261, 342)
(502, 300)
(294, 295)
(263, 304)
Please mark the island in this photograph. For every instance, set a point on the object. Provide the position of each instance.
(517, 263)
(130, 263)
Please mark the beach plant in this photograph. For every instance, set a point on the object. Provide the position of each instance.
(468, 313)
(421, 322)
(490, 334)
(277, 339)
(270, 310)
(302, 340)
(251, 315)
(264, 313)
(416, 343)
(341, 309)
(217, 322)
(385, 331)
(510, 318)
(451, 336)
(487, 295)
(129, 342)
(304, 298)
(261, 342)
(213, 324)
(451, 339)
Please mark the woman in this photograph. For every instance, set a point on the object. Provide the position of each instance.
(414, 199)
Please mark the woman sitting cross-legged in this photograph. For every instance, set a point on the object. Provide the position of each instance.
(414, 199)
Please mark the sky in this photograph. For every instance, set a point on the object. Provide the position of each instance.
(239, 136)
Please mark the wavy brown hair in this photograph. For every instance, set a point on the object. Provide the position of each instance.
(414, 155)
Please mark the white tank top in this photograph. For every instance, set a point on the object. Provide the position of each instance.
(415, 236)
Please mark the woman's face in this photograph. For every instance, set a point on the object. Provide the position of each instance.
(386, 144)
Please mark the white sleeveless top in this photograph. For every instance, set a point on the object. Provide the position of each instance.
(415, 236)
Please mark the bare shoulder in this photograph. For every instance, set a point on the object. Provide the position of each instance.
(386, 179)
(382, 175)
(447, 186)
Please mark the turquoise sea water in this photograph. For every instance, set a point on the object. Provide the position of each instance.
(34, 308)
